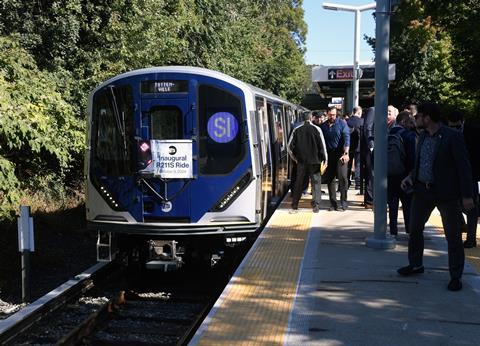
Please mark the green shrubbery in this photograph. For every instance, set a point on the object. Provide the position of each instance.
(54, 52)
(436, 48)
(40, 135)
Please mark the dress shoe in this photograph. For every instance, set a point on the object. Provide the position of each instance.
(454, 285)
(316, 209)
(468, 244)
(332, 208)
(393, 230)
(410, 270)
(368, 206)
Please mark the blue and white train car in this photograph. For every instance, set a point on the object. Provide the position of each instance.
(182, 160)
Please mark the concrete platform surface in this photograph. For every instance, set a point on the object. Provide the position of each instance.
(350, 294)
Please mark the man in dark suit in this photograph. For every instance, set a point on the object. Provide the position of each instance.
(456, 120)
(441, 178)
(366, 158)
(355, 123)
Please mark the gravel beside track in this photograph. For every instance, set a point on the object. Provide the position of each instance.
(63, 249)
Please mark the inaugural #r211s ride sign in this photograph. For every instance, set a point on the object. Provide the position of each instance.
(172, 158)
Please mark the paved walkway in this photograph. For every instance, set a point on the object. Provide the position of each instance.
(349, 294)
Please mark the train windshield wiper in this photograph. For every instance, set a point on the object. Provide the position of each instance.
(120, 120)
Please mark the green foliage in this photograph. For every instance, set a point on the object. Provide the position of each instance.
(39, 132)
(436, 48)
(54, 52)
(422, 60)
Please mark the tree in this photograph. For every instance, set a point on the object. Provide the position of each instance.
(54, 52)
(39, 133)
(436, 48)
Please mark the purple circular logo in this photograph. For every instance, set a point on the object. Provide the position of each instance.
(222, 127)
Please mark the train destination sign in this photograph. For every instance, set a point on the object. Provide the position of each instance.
(172, 159)
(164, 86)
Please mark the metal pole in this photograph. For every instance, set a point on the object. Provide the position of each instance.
(382, 37)
(25, 244)
(26, 276)
(356, 58)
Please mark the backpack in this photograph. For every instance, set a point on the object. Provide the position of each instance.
(396, 154)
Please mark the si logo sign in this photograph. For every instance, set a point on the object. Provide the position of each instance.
(222, 127)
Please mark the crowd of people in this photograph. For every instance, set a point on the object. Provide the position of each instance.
(433, 161)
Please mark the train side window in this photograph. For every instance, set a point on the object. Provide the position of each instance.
(221, 147)
(279, 126)
(113, 130)
(166, 123)
(278, 133)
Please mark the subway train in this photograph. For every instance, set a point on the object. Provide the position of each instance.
(182, 163)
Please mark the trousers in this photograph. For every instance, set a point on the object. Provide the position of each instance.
(337, 169)
(423, 203)
(312, 170)
(394, 195)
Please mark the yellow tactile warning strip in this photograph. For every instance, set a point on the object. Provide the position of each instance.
(471, 255)
(257, 302)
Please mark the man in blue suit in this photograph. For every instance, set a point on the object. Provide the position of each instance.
(337, 139)
(441, 178)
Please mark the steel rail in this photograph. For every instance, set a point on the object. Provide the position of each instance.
(23, 319)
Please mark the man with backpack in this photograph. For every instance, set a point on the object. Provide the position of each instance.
(401, 158)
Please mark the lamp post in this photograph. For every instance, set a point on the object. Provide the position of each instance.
(356, 45)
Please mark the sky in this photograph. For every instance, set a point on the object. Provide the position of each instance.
(330, 36)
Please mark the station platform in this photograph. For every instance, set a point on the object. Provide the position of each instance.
(310, 279)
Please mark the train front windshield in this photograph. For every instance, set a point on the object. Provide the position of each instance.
(221, 146)
(114, 131)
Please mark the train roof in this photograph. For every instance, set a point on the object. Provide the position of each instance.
(198, 71)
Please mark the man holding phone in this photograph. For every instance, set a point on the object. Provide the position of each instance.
(337, 139)
(441, 178)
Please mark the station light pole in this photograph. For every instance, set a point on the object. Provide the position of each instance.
(382, 56)
(356, 46)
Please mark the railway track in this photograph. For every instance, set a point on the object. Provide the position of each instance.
(52, 303)
(150, 319)
(152, 308)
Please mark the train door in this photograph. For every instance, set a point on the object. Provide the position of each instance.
(264, 190)
(290, 119)
(167, 122)
(282, 144)
(275, 151)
